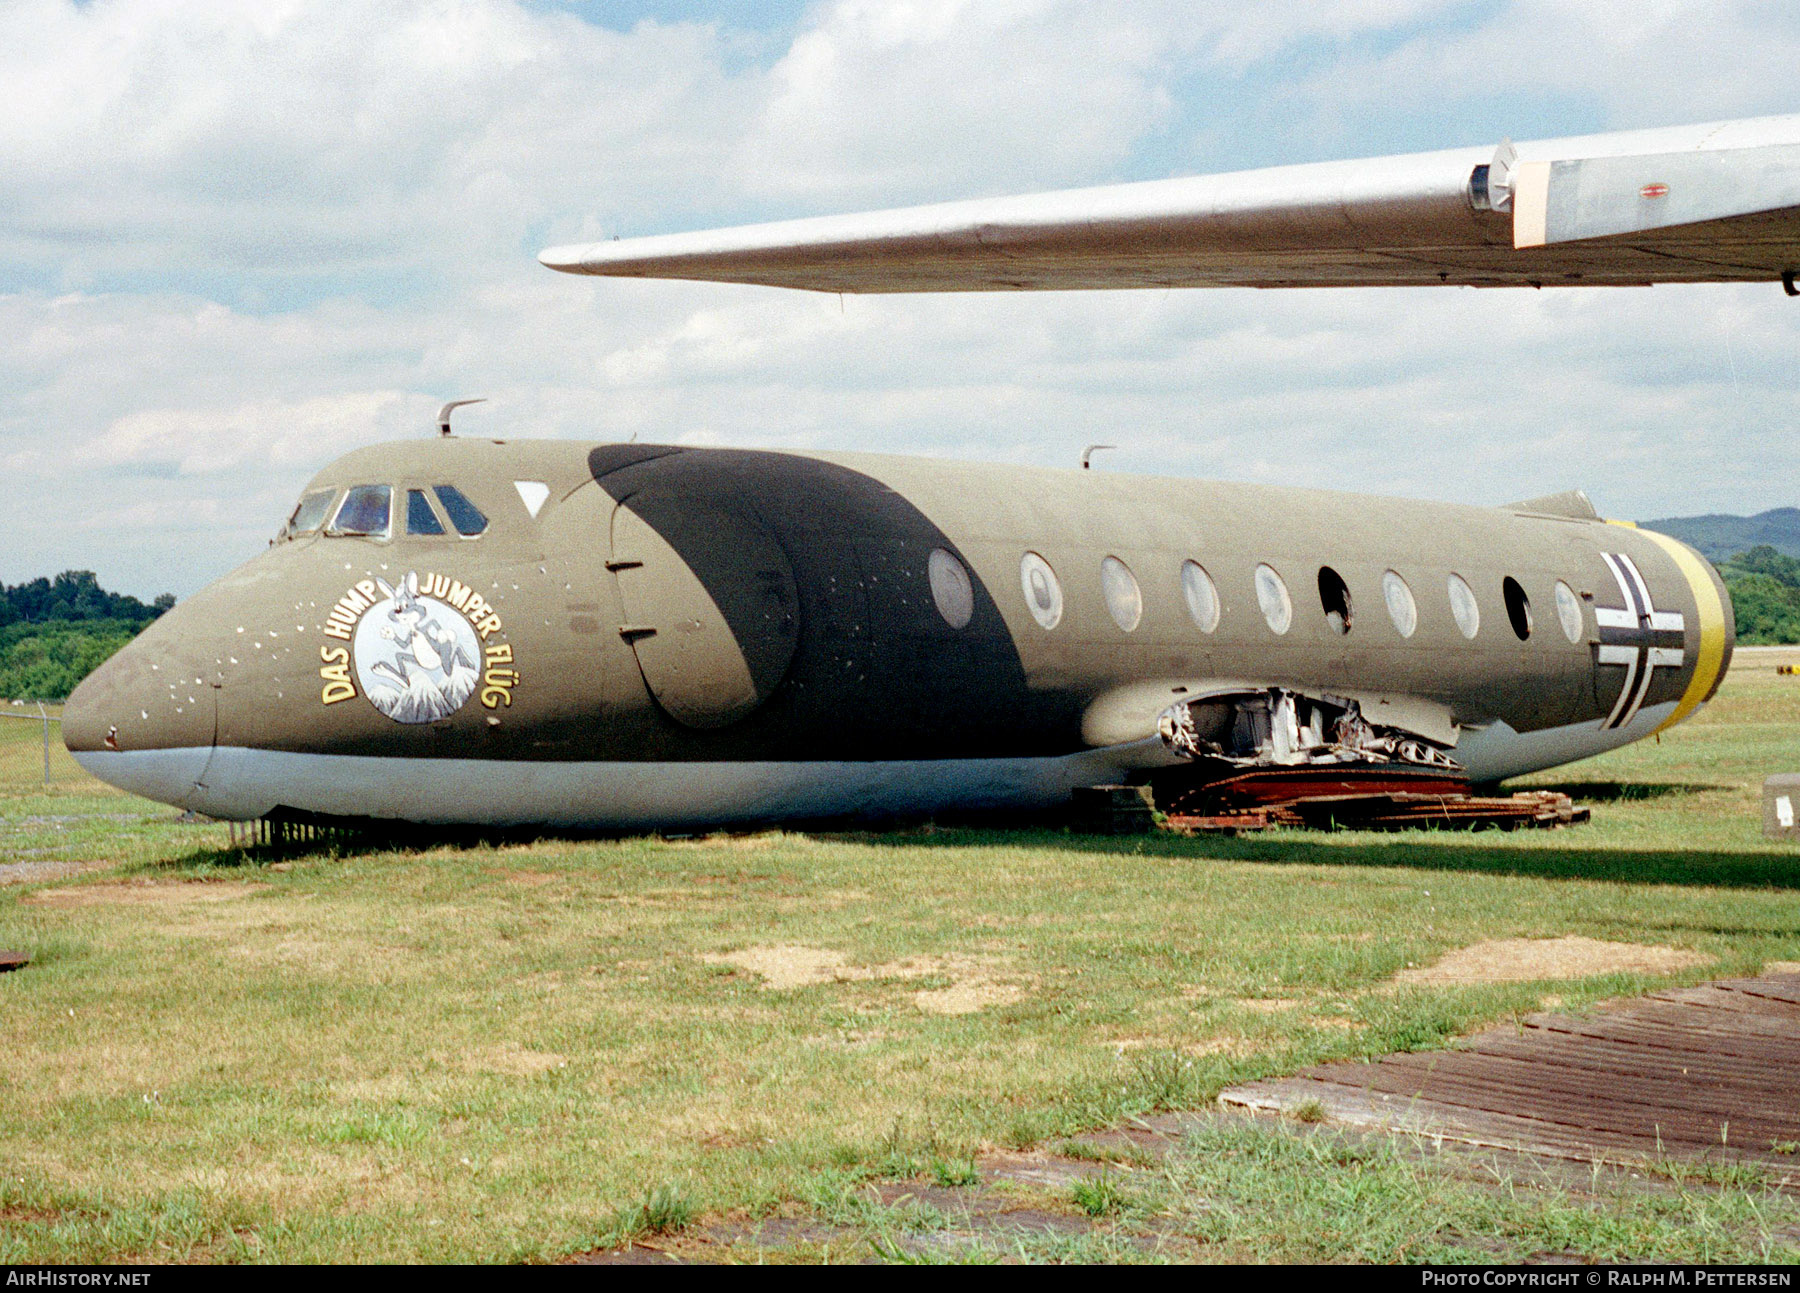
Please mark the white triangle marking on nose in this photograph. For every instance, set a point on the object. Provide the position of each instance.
(532, 493)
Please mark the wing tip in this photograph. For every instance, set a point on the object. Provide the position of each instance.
(570, 259)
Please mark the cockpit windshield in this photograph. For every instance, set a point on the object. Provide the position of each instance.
(369, 511)
(311, 511)
(420, 519)
(463, 514)
(364, 511)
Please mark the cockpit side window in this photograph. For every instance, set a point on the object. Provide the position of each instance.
(463, 514)
(311, 511)
(420, 519)
(365, 511)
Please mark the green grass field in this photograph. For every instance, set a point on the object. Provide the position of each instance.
(523, 1052)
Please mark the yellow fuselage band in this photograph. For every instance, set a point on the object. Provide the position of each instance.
(1711, 610)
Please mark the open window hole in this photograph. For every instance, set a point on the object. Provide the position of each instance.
(1518, 608)
(1334, 597)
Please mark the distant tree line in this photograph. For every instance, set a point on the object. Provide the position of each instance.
(73, 595)
(54, 632)
(1765, 593)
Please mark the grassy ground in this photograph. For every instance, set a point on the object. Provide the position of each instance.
(526, 1051)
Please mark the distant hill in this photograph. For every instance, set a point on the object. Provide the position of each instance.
(1720, 537)
(1759, 559)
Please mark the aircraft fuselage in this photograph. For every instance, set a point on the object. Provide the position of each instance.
(652, 636)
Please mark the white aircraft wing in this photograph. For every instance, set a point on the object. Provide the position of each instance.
(1690, 204)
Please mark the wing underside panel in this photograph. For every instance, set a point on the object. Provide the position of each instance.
(1716, 203)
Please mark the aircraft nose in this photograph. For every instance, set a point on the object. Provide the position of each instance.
(84, 713)
(148, 696)
(145, 719)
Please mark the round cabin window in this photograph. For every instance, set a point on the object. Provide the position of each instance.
(1401, 607)
(1518, 607)
(1568, 612)
(951, 589)
(1043, 593)
(1463, 606)
(1124, 600)
(1202, 596)
(1272, 596)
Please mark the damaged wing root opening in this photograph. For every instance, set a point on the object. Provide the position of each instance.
(1277, 728)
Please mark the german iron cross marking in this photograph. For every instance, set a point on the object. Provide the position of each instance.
(1640, 637)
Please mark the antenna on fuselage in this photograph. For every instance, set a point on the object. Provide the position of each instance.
(444, 413)
(1090, 451)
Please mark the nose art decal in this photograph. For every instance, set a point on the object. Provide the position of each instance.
(1639, 636)
(418, 650)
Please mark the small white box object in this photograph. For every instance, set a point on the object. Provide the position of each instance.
(1779, 794)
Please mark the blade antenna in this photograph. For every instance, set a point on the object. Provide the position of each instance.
(443, 418)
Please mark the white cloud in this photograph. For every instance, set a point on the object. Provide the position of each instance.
(356, 135)
(903, 98)
(261, 433)
(1656, 62)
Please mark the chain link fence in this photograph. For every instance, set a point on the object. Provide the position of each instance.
(43, 716)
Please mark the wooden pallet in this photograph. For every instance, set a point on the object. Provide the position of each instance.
(1704, 1071)
(1397, 810)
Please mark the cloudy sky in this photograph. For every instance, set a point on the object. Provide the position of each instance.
(238, 239)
